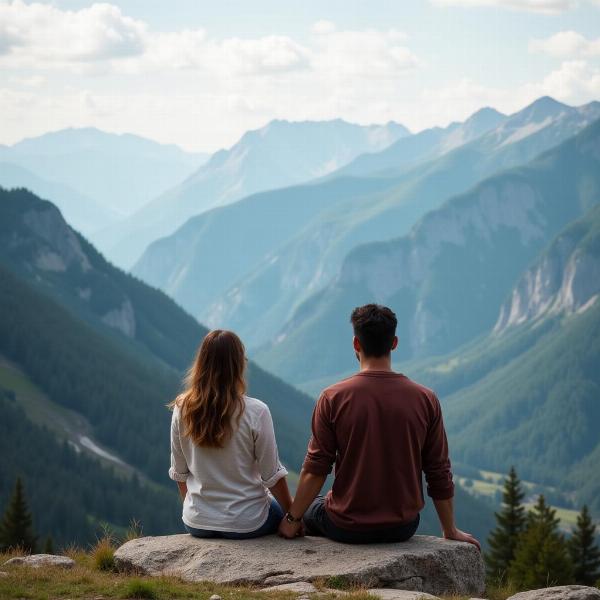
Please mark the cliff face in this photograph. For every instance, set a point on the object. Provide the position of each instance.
(564, 280)
(41, 245)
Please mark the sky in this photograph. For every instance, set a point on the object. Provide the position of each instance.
(199, 74)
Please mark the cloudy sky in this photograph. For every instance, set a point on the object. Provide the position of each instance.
(200, 73)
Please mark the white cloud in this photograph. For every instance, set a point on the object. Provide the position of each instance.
(370, 53)
(538, 6)
(566, 44)
(40, 34)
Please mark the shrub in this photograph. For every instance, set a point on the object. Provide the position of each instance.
(103, 553)
(139, 589)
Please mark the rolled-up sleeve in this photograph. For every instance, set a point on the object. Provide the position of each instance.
(179, 468)
(265, 450)
(435, 459)
(322, 447)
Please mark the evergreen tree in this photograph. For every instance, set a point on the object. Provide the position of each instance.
(49, 546)
(510, 524)
(541, 557)
(583, 550)
(16, 529)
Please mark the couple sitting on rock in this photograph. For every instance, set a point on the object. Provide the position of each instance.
(379, 428)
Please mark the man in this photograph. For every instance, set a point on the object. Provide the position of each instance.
(382, 431)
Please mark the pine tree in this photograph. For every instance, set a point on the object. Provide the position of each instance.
(16, 528)
(510, 524)
(583, 550)
(541, 557)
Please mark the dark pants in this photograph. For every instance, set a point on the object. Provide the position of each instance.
(317, 522)
(271, 525)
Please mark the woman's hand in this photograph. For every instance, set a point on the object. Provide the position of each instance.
(289, 531)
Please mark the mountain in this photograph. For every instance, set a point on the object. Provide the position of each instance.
(267, 253)
(447, 278)
(120, 172)
(424, 146)
(130, 344)
(86, 214)
(527, 392)
(279, 154)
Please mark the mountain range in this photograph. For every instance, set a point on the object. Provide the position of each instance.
(282, 247)
(448, 277)
(279, 154)
(89, 356)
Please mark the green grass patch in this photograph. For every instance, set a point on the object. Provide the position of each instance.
(140, 590)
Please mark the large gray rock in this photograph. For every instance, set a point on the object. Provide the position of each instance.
(424, 563)
(42, 560)
(563, 592)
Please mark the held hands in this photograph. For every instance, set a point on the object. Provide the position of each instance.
(461, 536)
(290, 531)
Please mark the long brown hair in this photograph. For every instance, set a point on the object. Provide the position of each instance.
(214, 388)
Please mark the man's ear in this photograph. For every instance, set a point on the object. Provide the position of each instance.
(395, 342)
(356, 344)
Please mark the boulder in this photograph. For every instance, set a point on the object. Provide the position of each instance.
(42, 560)
(423, 564)
(563, 592)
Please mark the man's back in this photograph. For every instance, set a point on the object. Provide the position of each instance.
(382, 430)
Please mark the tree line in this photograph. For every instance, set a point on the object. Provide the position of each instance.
(527, 549)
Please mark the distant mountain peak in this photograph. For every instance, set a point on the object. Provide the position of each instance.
(541, 109)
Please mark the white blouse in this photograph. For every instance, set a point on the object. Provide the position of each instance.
(227, 488)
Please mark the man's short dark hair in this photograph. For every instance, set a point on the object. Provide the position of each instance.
(375, 327)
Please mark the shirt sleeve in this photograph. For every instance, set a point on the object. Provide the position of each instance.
(322, 447)
(265, 451)
(435, 459)
(179, 468)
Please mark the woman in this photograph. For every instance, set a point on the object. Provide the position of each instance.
(223, 451)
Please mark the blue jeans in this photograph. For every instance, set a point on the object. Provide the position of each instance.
(317, 522)
(269, 526)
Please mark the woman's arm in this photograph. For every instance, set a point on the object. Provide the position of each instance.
(182, 485)
(282, 494)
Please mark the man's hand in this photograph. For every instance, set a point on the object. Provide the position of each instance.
(461, 536)
(290, 531)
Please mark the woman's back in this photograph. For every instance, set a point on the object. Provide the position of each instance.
(227, 486)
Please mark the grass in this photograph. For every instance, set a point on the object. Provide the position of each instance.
(94, 578)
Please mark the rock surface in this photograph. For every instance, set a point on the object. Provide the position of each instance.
(42, 560)
(300, 587)
(423, 564)
(389, 594)
(563, 592)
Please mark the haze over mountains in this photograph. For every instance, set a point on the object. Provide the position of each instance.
(112, 173)
(279, 154)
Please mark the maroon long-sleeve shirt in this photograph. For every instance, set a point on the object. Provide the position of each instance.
(382, 431)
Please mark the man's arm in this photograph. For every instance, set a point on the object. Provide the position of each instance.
(318, 463)
(440, 487)
(445, 511)
(308, 488)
